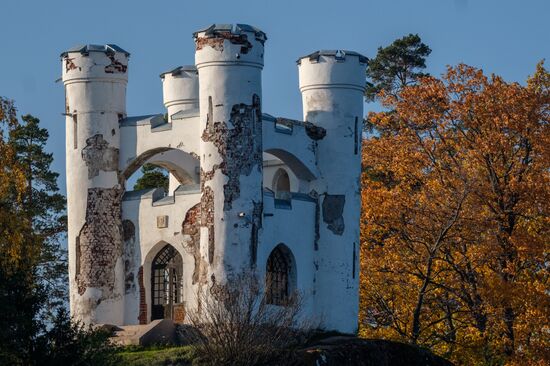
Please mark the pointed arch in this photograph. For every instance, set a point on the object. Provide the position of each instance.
(280, 276)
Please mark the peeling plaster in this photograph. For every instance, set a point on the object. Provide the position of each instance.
(207, 219)
(99, 243)
(129, 237)
(216, 41)
(333, 208)
(99, 156)
(191, 227)
(315, 132)
(240, 147)
(115, 67)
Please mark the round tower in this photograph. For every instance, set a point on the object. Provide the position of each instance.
(332, 84)
(229, 59)
(95, 78)
(180, 89)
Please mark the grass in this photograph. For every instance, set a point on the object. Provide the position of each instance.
(155, 356)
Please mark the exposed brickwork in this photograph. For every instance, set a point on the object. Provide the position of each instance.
(315, 132)
(178, 313)
(142, 317)
(216, 41)
(115, 67)
(207, 219)
(240, 147)
(129, 237)
(99, 243)
(191, 227)
(99, 156)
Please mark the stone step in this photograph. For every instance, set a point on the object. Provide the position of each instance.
(160, 331)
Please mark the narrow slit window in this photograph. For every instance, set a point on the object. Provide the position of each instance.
(353, 259)
(356, 150)
(75, 132)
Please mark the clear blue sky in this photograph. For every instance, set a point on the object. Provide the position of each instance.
(507, 37)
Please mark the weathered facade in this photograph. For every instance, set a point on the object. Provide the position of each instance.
(249, 193)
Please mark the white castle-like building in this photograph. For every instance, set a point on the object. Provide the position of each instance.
(249, 192)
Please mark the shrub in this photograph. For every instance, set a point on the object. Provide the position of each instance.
(235, 325)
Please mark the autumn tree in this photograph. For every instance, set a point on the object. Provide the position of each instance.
(41, 203)
(456, 224)
(20, 298)
(31, 219)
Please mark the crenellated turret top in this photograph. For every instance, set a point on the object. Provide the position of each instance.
(107, 49)
(228, 44)
(339, 55)
(236, 29)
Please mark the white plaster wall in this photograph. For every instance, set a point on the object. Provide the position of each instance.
(140, 139)
(97, 99)
(180, 89)
(150, 240)
(296, 229)
(271, 166)
(228, 77)
(332, 94)
(296, 149)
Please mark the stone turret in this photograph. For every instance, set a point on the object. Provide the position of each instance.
(180, 89)
(332, 84)
(229, 59)
(95, 78)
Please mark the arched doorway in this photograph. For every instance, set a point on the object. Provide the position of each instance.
(166, 285)
(280, 277)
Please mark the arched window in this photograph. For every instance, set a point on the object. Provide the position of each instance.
(166, 282)
(281, 185)
(280, 276)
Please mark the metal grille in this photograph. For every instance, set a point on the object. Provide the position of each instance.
(276, 281)
(166, 282)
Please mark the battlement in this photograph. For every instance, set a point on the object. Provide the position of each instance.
(238, 44)
(221, 30)
(245, 189)
(338, 55)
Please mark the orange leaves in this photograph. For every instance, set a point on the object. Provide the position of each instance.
(456, 219)
(14, 229)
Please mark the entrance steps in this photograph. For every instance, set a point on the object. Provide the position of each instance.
(160, 331)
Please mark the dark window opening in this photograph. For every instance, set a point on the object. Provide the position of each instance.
(166, 282)
(281, 185)
(278, 276)
(75, 132)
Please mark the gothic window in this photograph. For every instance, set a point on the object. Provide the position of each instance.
(279, 280)
(166, 282)
(281, 185)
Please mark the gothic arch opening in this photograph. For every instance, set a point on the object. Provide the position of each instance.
(180, 166)
(281, 185)
(280, 276)
(167, 284)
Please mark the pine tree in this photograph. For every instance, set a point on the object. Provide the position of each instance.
(396, 66)
(153, 177)
(41, 203)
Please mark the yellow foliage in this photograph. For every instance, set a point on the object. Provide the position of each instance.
(456, 218)
(17, 244)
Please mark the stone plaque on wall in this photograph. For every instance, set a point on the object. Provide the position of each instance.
(162, 221)
(178, 313)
